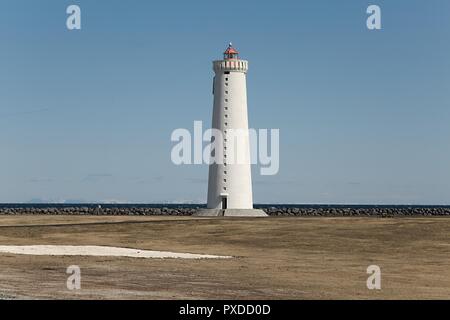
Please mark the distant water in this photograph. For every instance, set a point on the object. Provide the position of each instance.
(172, 206)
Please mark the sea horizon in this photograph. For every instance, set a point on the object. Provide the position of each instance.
(202, 205)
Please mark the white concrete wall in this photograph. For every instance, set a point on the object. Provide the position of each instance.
(230, 112)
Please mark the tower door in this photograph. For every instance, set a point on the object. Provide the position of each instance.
(224, 203)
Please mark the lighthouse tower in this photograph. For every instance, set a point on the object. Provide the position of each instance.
(230, 180)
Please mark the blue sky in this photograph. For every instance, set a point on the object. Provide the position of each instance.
(364, 116)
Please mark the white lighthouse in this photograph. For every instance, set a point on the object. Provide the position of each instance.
(230, 180)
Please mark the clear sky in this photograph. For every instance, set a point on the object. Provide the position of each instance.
(364, 116)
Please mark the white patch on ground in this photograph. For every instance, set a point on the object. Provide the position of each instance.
(101, 251)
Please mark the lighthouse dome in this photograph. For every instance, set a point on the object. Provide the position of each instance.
(231, 53)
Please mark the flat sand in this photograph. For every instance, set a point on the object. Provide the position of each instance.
(273, 258)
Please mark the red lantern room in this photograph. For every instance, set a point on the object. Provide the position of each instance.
(230, 53)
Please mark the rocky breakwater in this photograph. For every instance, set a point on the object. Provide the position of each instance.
(114, 211)
(358, 211)
(339, 211)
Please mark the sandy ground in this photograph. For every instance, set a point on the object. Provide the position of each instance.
(274, 258)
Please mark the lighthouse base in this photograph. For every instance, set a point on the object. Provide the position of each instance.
(230, 213)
